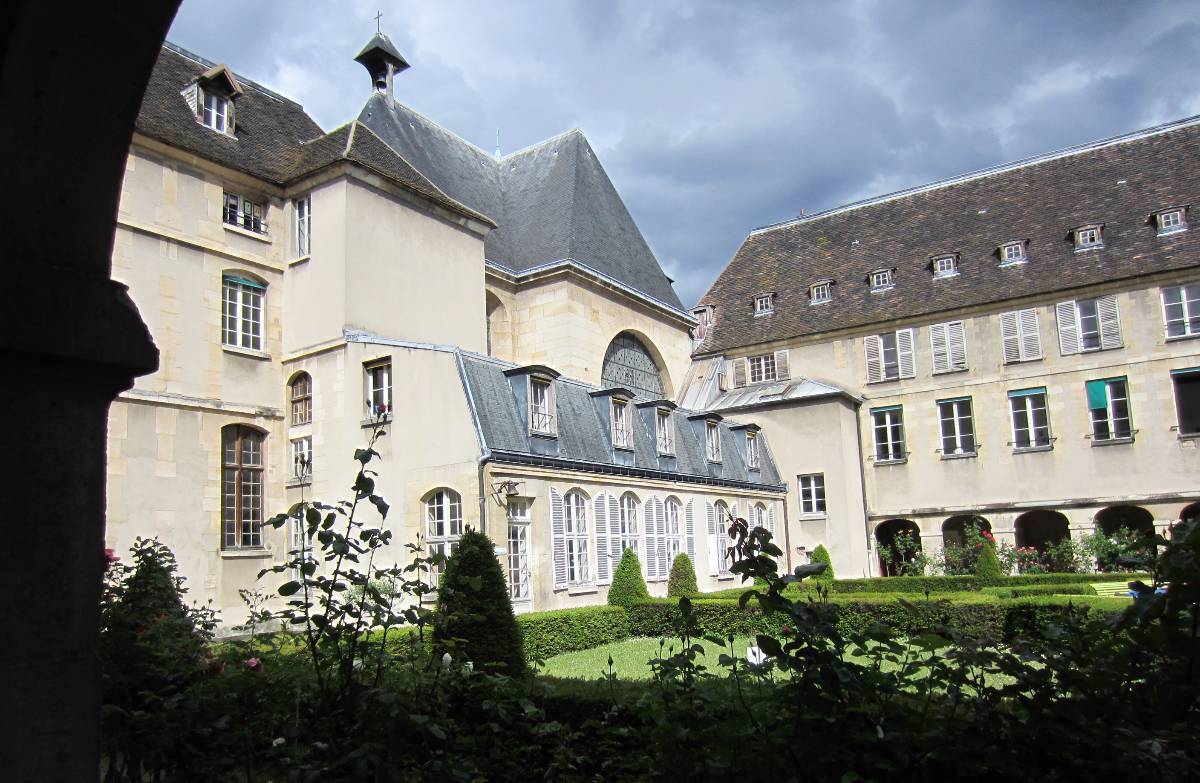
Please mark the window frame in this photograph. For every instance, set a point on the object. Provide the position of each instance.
(810, 487)
(1191, 377)
(894, 450)
(378, 399)
(900, 338)
(541, 406)
(243, 316)
(888, 279)
(1019, 258)
(446, 502)
(576, 538)
(246, 213)
(1160, 219)
(1027, 399)
(712, 441)
(622, 424)
(301, 449)
(952, 266)
(628, 525)
(1110, 419)
(300, 403)
(717, 535)
(664, 440)
(1097, 230)
(959, 435)
(1190, 321)
(245, 474)
(764, 361)
(520, 576)
(673, 530)
(753, 453)
(764, 304)
(303, 226)
(820, 293)
(218, 118)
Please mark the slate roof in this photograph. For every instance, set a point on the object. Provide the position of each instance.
(583, 436)
(552, 201)
(268, 127)
(1118, 182)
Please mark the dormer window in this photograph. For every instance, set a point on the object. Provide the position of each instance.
(664, 432)
(712, 441)
(622, 433)
(211, 98)
(945, 266)
(752, 458)
(216, 112)
(1089, 237)
(820, 293)
(882, 279)
(1012, 253)
(764, 304)
(704, 318)
(541, 406)
(1171, 221)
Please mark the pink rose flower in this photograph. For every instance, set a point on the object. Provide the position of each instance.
(253, 664)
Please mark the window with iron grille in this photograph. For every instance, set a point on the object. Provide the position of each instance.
(1030, 418)
(622, 432)
(887, 426)
(712, 441)
(664, 431)
(541, 407)
(244, 213)
(1108, 403)
(958, 427)
(752, 456)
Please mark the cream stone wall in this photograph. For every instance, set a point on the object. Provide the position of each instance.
(567, 323)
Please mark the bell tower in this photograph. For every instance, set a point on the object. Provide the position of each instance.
(382, 61)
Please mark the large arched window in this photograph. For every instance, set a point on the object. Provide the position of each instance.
(628, 364)
(300, 393)
(242, 465)
(443, 524)
(629, 523)
(576, 538)
(242, 309)
(673, 524)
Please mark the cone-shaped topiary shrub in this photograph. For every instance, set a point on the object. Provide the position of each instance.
(682, 580)
(987, 567)
(477, 622)
(821, 555)
(628, 587)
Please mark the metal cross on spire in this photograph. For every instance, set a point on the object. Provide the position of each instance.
(378, 16)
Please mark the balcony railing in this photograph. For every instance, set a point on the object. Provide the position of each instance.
(665, 445)
(247, 220)
(541, 421)
(622, 439)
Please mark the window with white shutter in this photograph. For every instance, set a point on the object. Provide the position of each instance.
(604, 549)
(890, 356)
(653, 524)
(781, 365)
(1088, 325)
(689, 523)
(718, 520)
(673, 543)
(948, 344)
(558, 538)
(577, 538)
(1020, 336)
(627, 536)
(1108, 403)
(739, 373)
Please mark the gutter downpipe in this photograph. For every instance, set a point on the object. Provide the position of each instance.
(862, 479)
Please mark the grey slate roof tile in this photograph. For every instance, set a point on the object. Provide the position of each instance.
(1118, 183)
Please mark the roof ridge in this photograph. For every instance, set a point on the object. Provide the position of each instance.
(542, 143)
(989, 171)
(441, 127)
(208, 64)
(350, 139)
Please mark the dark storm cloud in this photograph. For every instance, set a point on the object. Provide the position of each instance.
(716, 117)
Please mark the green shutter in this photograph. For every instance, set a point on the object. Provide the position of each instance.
(1186, 371)
(1027, 392)
(245, 281)
(1097, 395)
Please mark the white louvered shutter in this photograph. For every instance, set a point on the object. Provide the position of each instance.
(1068, 328)
(603, 565)
(771, 522)
(904, 347)
(1010, 335)
(1110, 322)
(615, 549)
(650, 537)
(939, 346)
(1031, 336)
(660, 521)
(714, 540)
(781, 366)
(874, 348)
(689, 531)
(558, 533)
(956, 339)
(739, 373)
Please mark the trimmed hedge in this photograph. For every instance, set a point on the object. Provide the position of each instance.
(547, 634)
(1022, 591)
(917, 585)
(628, 587)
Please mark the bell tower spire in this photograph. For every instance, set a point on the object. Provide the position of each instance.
(382, 61)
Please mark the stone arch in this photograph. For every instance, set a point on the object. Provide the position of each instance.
(499, 328)
(954, 529)
(1041, 528)
(885, 536)
(1190, 513)
(1139, 520)
(632, 361)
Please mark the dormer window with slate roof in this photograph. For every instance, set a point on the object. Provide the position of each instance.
(622, 424)
(535, 383)
(945, 266)
(764, 304)
(1171, 221)
(1012, 253)
(1089, 237)
(752, 457)
(712, 440)
(212, 96)
(882, 280)
(664, 432)
(820, 293)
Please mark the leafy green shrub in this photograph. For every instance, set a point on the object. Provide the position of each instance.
(916, 585)
(987, 567)
(547, 634)
(628, 587)
(658, 617)
(821, 555)
(476, 610)
(1021, 591)
(682, 580)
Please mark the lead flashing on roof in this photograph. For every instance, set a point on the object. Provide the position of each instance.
(706, 415)
(615, 391)
(539, 370)
(664, 404)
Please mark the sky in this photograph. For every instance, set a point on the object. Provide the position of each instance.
(715, 117)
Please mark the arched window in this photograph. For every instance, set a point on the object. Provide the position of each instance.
(243, 305)
(443, 524)
(576, 538)
(899, 543)
(629, 364)
(629, 523)
(242, 465)
(674, 530)
(300, 391)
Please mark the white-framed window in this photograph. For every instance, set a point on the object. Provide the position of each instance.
(820, 293)
(443, 525)
(958, 427)
(1012, 253)
(882, 279)
(764, 304)
(887, 428)
(303, 226)
(712, 441)
(302, 458)
(948, 345)
(718, 551)
(1170, 221)
(541, 406)
(1020, 336)
(379, 388)
(664, 431)
(945, 266)
(890, 356)
(1030, 418)
(1089, 325)
(1089, 237)
(242, 312)
(762, 368)
(812, 493)
(519, 579)
(1108, 403)
(244, 213)
(215, 113)
(752, 455)
(1181, 310)
(628, 531)
(672, 532)
(704, 317)
(1187, 399)
(576, 538)
(622, 432)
